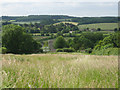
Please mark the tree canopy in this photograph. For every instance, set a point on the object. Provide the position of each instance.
(60, 42)
(17, 41)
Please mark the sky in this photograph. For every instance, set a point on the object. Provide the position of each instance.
(80, 8)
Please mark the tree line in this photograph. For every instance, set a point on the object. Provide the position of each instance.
(90, 42)
(57, 18)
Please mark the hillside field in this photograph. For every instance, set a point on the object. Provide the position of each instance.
(74, 23)
(103, 26)
(26, 22)
(60, 70)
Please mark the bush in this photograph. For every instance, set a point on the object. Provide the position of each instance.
(108, 51)
(65, 50)
(115, 29)
(42, 34)
(68, 50)
(47, 34)
(40, 50)
(99, 29)
(59, 50)
(4, 50)
(88, 50)
(107, 46)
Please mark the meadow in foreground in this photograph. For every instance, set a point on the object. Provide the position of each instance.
(59, 71)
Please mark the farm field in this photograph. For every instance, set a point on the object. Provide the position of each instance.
(74, 23)
(103, 26)
(26, 22)
(60, 70)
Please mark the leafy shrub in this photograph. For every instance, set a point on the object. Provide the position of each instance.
(47, 34)
(99, 29)
(40, 50)
(42, 34)
(108, 51)
(68, 50)
(108, 46)
(4, 50)
(88, 50)
(115, 29)
(59, 50)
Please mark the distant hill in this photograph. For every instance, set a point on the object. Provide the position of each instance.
(58, 18)
(35, 17)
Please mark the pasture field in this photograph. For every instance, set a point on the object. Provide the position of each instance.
(61, 70)
(103, 26)
(74, 23)
(26, 22)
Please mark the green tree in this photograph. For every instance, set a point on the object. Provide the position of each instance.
(17, 41)
(99, 29)
(60, 42)
(115, 29)
(59, 34)
(110, 41)
(81, 43)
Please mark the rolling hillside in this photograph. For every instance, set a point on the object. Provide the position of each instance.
(59, 18)
(103, 26)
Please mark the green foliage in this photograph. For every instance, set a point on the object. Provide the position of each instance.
(108, 51)
(59, 50)
(47, 34)
(4, 50)
(46, 44)
(115, 29)
(108, 46)
(59, 34)
(51, 28)
(108, 42)
(40, 50)
(56, 18)
(98, 46)
(65, 50)
(81, 43)
(70, 43)
(99, 29)
(17, 41)
(93, 37)
(60, 42)
(68, 50)
(88, 50)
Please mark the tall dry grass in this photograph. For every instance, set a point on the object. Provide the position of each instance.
(59, 71)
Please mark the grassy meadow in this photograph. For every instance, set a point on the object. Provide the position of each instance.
(26, 22)
(74, 23)
(103, 26)
(59, 71)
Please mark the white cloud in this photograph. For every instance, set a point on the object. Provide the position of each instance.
(60, 8)
(3, 1)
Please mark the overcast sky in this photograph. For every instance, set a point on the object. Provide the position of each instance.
(63, 7)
